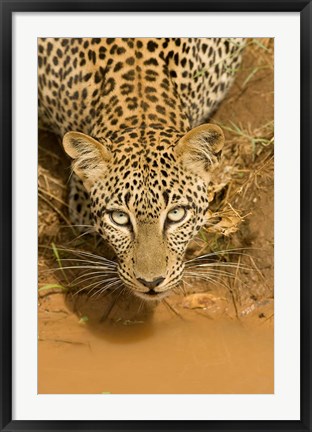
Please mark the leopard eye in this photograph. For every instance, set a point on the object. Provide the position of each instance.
(176, 215)
(120, 217)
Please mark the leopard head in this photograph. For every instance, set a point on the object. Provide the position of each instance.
(148, 191)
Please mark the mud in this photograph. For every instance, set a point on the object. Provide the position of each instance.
(198, 352)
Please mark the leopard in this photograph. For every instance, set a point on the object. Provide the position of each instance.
(132, 115)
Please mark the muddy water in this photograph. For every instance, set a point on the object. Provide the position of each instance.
(193, 353)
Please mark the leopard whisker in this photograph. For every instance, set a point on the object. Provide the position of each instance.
(84, 277)
(99, 292)
(94, 267)
(81, 235)
(95, 284)
(216, 272)
(181, 287)
(95, 288)
(187, 283)
(212, 270)
(207, 278)
(219, 264)
(90, 254)
(140, 305)
(76, 267)
(223, 251)
(99, 278)
(90, 262)
(77, 225)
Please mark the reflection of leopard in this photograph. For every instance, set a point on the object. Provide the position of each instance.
(127, 108)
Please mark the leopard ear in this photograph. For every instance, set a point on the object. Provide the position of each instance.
(200, 149)
(90, 157)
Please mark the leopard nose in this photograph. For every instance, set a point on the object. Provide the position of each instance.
(151, 284)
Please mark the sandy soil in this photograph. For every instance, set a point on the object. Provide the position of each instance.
(218, 336)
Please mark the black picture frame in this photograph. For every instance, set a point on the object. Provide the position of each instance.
(8, 7)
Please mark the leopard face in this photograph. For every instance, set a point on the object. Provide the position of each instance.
(148, 201)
